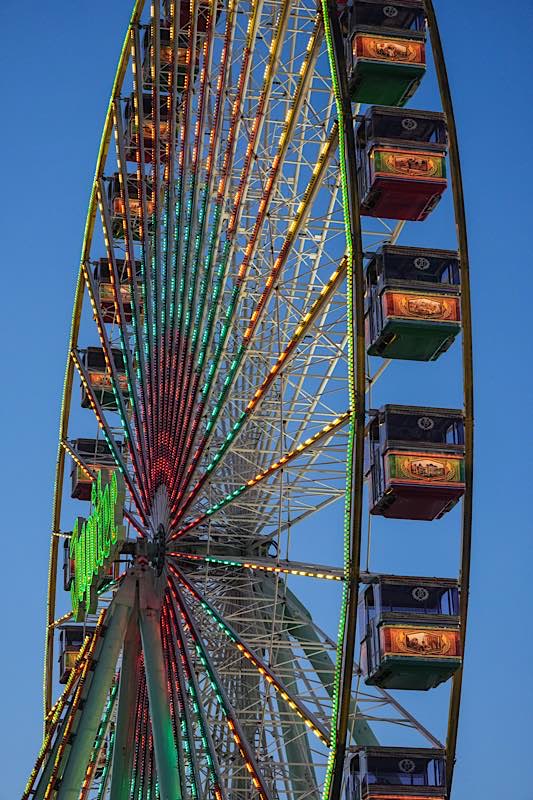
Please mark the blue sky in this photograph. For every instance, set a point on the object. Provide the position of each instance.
(58, 62)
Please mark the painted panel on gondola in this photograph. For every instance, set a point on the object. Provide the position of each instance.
(149, 129)
(102, 380)
(398, 51)
(165, 55)
(81, 474)
(408, 164)
(438, 308)
(425, 468)
(134, 204)
(107, 294)
(424, 642)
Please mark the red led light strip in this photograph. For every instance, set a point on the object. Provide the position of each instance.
(186, 398)
(239, 197)
(231, 718)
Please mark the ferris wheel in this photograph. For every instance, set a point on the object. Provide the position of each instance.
(254, 275)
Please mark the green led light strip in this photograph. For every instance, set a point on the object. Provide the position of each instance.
(237, 210)
(326, 573)
(178, 712)
(186, 670)
(298, 708)
(177, 277)
(220, 694)
(352, 399)
(297, 451)
(95, 543)
(107, 766)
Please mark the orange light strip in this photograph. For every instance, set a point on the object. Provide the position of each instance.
(107, 434)
(373, 796)
(324, 157)
(249, 654)
(326, 293)
(65, 738)
(327, 430)
(283, 568)
(52, 717)
(60, 620)
(231, 718)
(76, 458)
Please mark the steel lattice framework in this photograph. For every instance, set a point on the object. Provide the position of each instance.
(239, 425)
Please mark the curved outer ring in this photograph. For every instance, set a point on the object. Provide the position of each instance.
(468, 399)
(468, 374)
(357, 391)
(69, 371)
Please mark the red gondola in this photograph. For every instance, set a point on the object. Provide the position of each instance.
(401, 162)
(416, 461)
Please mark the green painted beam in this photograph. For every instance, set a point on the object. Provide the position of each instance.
(301, 772)
(166, 755)
(125, 726)
(91, 715)
(304, 630)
